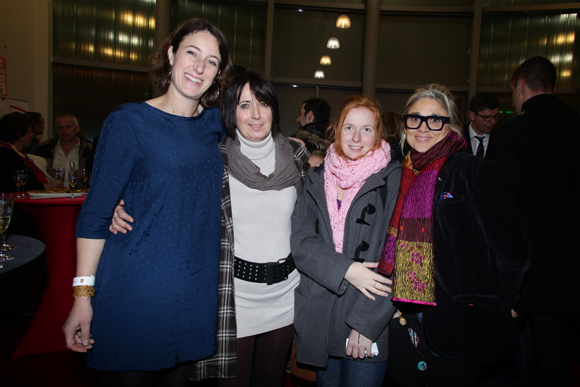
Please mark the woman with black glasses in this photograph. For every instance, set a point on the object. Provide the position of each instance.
(455, 244)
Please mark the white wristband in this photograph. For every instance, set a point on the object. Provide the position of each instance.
(84, 281)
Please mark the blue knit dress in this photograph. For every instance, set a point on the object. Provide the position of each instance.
(156, 287)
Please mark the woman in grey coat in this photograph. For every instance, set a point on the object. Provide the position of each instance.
(338, 232)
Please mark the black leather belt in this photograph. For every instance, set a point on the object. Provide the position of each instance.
(269, 273)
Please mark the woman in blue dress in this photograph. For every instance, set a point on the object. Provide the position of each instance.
(154, 308)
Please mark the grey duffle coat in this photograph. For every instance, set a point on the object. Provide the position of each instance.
(327, 307)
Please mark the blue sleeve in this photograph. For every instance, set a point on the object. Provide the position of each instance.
(114, 163)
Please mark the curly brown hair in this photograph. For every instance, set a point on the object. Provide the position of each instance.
(160, 68)
(13, 126)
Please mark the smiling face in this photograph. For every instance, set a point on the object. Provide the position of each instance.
(358, 134)
(195, 64)
(253, 118)
(422, 139)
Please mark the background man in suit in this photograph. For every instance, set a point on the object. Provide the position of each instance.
(484, 115)
(536, 151)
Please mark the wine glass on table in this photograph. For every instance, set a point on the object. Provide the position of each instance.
(84, 175)
(24, 179)
(6, 208)
(59, 176)
(72, 181)
(72, 166)
(18, 181)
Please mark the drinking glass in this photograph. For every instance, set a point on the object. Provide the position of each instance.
(84, 175)
(59, 175)
(72, 181)
(18, 181)
(6, 208)
(24, 179)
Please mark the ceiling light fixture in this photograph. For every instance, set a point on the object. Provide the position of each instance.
(343, 22)
(333, 43)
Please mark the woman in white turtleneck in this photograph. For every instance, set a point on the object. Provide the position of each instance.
(265, 178)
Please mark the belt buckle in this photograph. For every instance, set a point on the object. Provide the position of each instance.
(270, 269)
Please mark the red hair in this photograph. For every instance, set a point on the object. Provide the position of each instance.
(355, 102)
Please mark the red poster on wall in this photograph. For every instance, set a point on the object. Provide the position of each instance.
(3, 86)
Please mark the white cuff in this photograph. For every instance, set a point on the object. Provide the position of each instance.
(84, 281)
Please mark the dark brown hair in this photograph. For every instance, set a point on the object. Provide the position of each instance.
(260, 87)
(393, 122)
(13, 126)
(160, 68)
(538, 73)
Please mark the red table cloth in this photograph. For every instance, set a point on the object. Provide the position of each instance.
(55, 220)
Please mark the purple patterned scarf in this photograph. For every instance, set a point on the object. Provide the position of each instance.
(409, 243)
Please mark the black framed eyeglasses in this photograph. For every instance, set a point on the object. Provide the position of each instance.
(435, 123)
(489, 118)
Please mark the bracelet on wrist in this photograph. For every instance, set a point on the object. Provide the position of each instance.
(83, 291)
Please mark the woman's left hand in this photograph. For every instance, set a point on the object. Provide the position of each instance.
(358, 346)
(121, 220)
(360, 275)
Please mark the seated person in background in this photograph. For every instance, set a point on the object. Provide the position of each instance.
(67, 147)
(312, 123)
(16, 131)
(37, 130)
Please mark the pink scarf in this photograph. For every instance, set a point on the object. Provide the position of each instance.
(350, 176)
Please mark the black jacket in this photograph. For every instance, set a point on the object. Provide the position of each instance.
(469, 148)
(481, 255)
(539, 154)
(313, 136)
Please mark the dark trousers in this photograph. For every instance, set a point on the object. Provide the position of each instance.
(550, 341)
(451, 373)
(170, 377)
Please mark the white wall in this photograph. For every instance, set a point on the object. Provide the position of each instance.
(26, 43)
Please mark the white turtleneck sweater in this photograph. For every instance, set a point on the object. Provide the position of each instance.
(262, 234)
